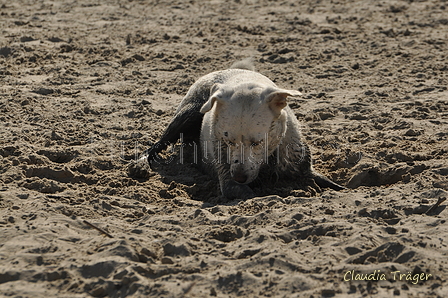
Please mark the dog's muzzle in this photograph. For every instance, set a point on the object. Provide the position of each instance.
(240, 177)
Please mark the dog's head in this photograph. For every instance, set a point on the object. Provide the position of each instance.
(248, 121)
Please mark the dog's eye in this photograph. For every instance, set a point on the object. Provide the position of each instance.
(255, 144)
(231, 143)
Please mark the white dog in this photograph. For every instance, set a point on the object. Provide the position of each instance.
(245, 126)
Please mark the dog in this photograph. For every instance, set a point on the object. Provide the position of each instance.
(244, 125)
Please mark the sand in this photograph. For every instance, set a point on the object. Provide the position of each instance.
(86, 86)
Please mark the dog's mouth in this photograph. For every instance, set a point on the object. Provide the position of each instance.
(241, 178)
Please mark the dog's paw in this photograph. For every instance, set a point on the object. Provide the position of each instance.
(139, 169)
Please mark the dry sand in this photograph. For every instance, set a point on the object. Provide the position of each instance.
(87, 85)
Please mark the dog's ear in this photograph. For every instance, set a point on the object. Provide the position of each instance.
(216, 93)
(277, 99)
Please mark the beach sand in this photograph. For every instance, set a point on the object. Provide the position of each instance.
(86, 86)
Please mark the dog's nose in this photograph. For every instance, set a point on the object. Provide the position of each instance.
(240, 177)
